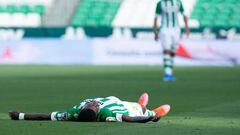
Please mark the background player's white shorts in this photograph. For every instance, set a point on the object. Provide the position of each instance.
(169, 38)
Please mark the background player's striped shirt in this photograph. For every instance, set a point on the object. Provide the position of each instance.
(169, 9)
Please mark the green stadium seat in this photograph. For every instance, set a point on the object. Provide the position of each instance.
(234, 23)
(24, 9)
(216, 1)
(11, 9)
(223, 17)
(220, 13)
(209, 17)
(197, 13)
(236, 17)
(199, 10)
(212, 11)
(232, 1)
(236, 11)
(101, 5)
(220, 23)
(40, 9)
(207, 23)
(80, 17)
(92, 22)
(202, 1)
(226, 11)
(97, 12)
(2, 9)
(105, 23)
(77, 23)
(196, 16)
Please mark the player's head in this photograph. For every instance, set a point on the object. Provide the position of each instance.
(89, 112)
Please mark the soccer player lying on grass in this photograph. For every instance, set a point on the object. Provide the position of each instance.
(109, 109)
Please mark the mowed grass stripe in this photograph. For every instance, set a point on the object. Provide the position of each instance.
(204, 100)
(4, 116)
(204, 121)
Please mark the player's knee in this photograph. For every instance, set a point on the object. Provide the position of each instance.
(172, 54)
(168, 52)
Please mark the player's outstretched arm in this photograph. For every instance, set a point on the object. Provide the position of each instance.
(155, 29)
(14, 115)
(141, 119)
(185, 18)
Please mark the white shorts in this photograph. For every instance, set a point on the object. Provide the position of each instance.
(133, 108)
(169, 38)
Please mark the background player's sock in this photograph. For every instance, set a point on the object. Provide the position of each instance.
(168, 64)
(172, 64)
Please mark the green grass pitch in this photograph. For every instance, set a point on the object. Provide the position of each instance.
(204, 100)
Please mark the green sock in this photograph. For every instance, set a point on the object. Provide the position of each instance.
(168, 64)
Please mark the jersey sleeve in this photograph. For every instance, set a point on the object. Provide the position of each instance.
(158, 10)
(67, 115)
(106, 115)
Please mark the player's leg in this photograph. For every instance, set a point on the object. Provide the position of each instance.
(136, 110)
(150, 113)
(168, 65)
(167, 60)
(143, 100)
(162, 110)
(14, 115)
(175, 37)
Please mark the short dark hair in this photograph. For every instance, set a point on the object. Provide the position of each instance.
(87, 115)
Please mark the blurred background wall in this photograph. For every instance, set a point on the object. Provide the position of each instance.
(114, 30)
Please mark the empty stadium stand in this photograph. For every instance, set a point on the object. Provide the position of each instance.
(140, 13)
(96, 12)
(136, 13)
(217, 13)
(22, 13)
(118, 18)
(60, 14)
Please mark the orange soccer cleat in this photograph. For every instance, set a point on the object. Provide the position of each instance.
(143, 100)
(162, 110)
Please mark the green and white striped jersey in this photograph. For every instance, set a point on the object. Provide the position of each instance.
(169, 9)
(109, 108)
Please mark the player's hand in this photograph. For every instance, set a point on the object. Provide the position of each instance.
(14, 115)
(156, 37)
(156, 118)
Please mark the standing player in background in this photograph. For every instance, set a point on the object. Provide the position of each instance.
(169, 32)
